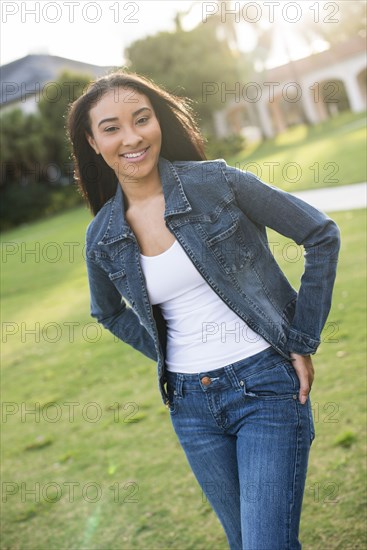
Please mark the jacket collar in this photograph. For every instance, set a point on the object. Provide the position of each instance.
(175, 199)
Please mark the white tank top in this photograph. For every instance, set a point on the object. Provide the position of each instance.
(203, 333)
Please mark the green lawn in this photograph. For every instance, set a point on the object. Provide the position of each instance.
(97, 465)
(309, 157)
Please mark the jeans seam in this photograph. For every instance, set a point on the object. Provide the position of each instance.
(311, 422)
(296, 466)
(216, 420)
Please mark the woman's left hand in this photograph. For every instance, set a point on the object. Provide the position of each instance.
(305, 372)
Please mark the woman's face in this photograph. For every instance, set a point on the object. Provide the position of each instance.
(126, 132)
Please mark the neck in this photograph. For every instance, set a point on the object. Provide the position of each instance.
(137, 192)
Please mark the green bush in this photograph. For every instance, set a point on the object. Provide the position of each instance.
(23, 204)
(223, 148)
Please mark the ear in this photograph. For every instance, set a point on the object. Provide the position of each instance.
(92, 143)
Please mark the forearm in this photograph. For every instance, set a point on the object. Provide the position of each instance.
(109, 308)
(268, 206)
(126, 327)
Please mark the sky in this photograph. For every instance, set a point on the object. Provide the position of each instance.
(98, 32)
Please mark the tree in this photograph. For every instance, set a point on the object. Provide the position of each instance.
(52, 110)
(33, 142)
(336, 22)
(195, 64)
(22, 147)
(35, 153)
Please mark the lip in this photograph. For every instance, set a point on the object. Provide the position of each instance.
(135, 159)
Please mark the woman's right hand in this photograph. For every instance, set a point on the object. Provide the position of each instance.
(304, 368)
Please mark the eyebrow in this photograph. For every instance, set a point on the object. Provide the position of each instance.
(113, 119)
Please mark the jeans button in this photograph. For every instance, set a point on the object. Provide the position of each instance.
(206, 380)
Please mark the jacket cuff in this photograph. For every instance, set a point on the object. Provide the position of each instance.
(301, 343)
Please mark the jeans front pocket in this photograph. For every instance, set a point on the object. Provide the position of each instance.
(277, 382)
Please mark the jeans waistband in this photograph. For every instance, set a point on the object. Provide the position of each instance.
(230, 375)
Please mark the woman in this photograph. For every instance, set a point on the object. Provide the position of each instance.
(179, 267)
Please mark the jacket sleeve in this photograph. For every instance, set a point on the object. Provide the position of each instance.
(271, 207)
(110, 309)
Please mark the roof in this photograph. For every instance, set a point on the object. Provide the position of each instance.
(34, 71)
(334, 54)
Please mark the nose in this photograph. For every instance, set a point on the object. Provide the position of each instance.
(131, 138)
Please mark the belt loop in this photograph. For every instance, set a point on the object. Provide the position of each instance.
(231, 373)
(179, 384)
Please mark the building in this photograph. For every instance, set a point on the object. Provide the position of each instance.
(307, 90)
(25, 81)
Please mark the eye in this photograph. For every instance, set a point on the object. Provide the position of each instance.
(142, 120)
(110, 129)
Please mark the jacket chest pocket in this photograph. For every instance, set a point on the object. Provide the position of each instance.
(120, 281)
(225, 241)
(118, 262)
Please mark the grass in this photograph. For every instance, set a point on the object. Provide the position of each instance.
(89, 458)
(310, 157)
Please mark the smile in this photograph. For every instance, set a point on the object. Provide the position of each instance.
(136, 155)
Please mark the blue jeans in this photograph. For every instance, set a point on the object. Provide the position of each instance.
(247, 439)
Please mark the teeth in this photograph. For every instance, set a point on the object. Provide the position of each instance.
(134, 155)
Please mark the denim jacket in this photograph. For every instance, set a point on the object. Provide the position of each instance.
(219, 216)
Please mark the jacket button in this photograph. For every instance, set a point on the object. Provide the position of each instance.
(206, 380)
